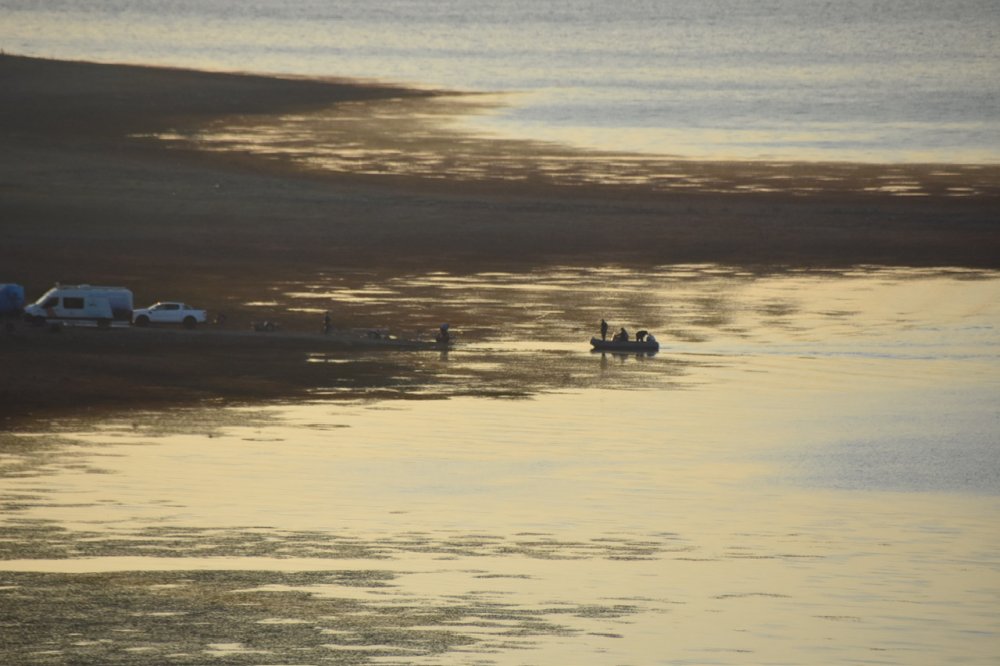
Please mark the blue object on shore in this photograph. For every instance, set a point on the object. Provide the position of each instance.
(11, 298)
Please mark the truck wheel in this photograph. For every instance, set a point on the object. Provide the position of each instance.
(142, 320)
(189, 322)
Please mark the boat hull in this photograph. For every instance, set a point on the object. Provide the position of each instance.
(629, 346)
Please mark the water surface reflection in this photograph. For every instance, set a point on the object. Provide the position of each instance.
(807, 472)
(445, 137)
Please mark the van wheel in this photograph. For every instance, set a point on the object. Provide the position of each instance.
(142, 320)
(189, 322)
(103, 323)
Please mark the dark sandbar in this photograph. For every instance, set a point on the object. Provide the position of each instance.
(86, 195)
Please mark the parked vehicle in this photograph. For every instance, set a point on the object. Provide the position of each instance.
(169, 312)
(82, 304)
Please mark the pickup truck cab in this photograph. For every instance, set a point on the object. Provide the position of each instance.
(169, 312)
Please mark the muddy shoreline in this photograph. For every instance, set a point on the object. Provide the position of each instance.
(87, 197)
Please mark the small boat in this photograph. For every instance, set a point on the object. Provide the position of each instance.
(630, 346)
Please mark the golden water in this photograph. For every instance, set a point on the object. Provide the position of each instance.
(808, 472)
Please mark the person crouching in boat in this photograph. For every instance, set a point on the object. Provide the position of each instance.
(620, 336)
(640, 336)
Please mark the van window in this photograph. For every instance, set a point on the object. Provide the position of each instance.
(72, 302)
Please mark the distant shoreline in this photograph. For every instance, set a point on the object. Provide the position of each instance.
(215, 94)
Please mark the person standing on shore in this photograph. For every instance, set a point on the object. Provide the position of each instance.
(604, 330)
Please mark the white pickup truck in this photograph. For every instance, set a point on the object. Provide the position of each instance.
(169, 312)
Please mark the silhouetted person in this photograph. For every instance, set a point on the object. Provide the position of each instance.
(604, 330)
(327, 323)
(443, 335)
(640, 336)
(621, 335)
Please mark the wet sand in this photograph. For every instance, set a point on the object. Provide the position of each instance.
(89, 195)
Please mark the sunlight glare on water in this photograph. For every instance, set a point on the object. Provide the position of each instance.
(807, 472)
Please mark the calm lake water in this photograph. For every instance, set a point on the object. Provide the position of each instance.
(886, 81)
(808, 472)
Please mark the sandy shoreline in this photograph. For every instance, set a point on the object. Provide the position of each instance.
(87, 196)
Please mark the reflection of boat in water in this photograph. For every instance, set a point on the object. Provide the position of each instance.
(628, 346)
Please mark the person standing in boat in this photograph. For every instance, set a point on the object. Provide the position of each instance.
(604, 330)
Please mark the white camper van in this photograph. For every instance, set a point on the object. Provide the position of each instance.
(82, 304)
